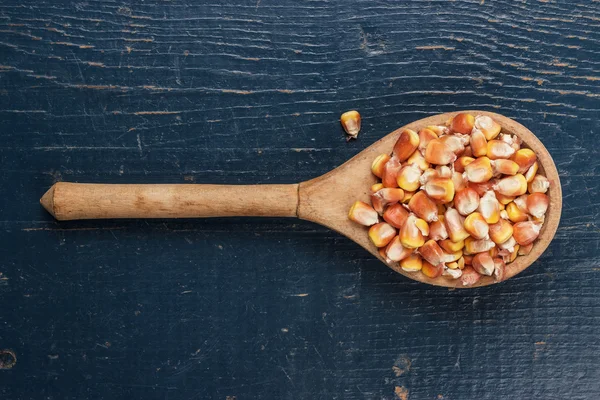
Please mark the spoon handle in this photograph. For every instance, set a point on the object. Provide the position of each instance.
(68, 201)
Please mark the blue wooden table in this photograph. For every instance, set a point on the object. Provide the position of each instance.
(250, 92)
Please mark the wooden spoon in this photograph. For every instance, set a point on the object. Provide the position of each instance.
(324, 200)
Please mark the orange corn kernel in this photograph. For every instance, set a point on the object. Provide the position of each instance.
(505, 167)
(478, 143)
(419, 160)
(503, 200)
(376, 187)
(526, 232)
(426, 135)
(395, 215)
(530, 174)
(454, 225)
(493, 252)
(381, 234)
(440, 189)
(432, 271)
(537, 204)
(499, 269)
(488, 126)
(383, 255)
(410, 234)
(451, 247)
(363, 214)
(473, 246)
(441, 210)
(484, 264)
(459, 164)
(423, 207)
(438, 153)
(525, 158)
(428, 174)
(479, 170)
(539, 184)
(475, 224)
(378, 165)
(437, 230)
(439, 130)
(390, 173)
(458, 181)
(466, 201)
(501, 231)
(489, 207)
(467, 152)
(515, 214)
(432, 253)
(407, 143)
(395, 251)
(524, 250)
(408, 178)
(512, 185)
(412, 263)
(385, 197)
(468, 259)
(481, 188)
(469, 276)
(497, 149)
(407, 196)
(350, 121)
(463, 123)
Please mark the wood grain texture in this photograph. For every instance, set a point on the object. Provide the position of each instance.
(249, 92)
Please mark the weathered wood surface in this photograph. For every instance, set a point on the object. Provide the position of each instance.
(250, 92)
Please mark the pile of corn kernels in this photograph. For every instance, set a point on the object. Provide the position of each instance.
(461, 200)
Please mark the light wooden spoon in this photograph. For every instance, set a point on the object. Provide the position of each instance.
(324, 200)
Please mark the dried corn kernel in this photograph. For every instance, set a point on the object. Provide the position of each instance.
(452, 257)
(455, 143)
(459, 164)
(395, 251)
(363, 214)
(443, 171)
(505, 167)
(407, 196)
(390, 173)
(475, 224)
(412, 263)
(419, 160)
(432, 271)
(526, 232)
(383, 255)
(439, 130)
(423, 207)
(484, 264)
(499, 149)
(539, 184)
(530, 174)
(350, 121)
(537, 204)
(488, 126)
(432, 253)
(499, 269)
(481, 188)
(525, 158)
(501, 231)
(410, 234)
(437, 153)
(524, 250)
(513, 141)
(440, 189)
(463, 123)
(428, 174)
(478, 143)
(512, 185)
(386, 196)
(514, 213)
(407, 143)
(479, 170)
(378, 165)
(458, 181)
(466, 201)
(408, 178)
(376, 187)
(508, 245)
(437, 230)
(489, 207)
(467, 152)
(452, 273)
(454, 225)
(381, 234)
(469, 276)
(426, 135)
(473, 246)
(451, 247)
(503, 200)
(395, 215)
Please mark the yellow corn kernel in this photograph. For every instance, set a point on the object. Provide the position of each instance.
(525, 158)
(423, 206)
(440, 189)
(363, 214)
(451, 247)
(395, 251)
(505, 167)
(430, 270)
(419, 160)
(459, 164)
(378, 165)
(390, 173)
(461, 262)
(426, 135)
(381, 234)
(473, 245)
(489, 207)
(531, 172)
(410, 234)
(454, 224)
(423, 226)
(463, 123)
(493, 252)
(475, 224)
(376, 187)
(488, 126)
(395, 215)
(483, 263)
(350, 121)
(537, 204)
(539, 184)
(452, 265)
(514, 253)
(407, 196)
(479, 171)
(453, 257)
(526, 232)
(438, 153)
(412, 263)
(478, 143)
(501, 231)
(432, 253)
(408, 178)
(499, 149)
(514, 213)
(407, 143)
(511, 186)
(503, 200)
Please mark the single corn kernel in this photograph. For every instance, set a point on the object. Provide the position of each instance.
(419, 160)
(521, 202)
(452, 265)
(432, 253)
(437, 230)
(484, 264)
(515, 214)
(468, 259)
(526, 232)
(410, 234)
(390, 173)
(512, 255)
(351, 123)
(459, 164)
(454, 224)
(503, 200)
(408, 178)
(386, 196)
(473, 246)
(493, 252)
(488, 126)
(458, 181)
(395, 215)
(437, 153)
(381, 234)
(407, 143)
(363, 214)
(467, 152)
(395, 251)
(378, 165)
(451, 247)
(461, 262)
(440, 189)
(466, 201)
(478, 143)
(501, 231)
(452, 273)
(423, 207)
(508, 245)
(481, 188)
(428, 174)
(513, 141)
(489, 207)
(407, 196)
(455, 143)
(504, 167)
(499, 269)
(452, 257)
(475, 224)
(376, 187)
(503, 214)
(469, 276)
(463, 123)
(524, 250)
(539, 184)
(511, 185)
(423, 226)
(498, 149)
(412, 263)
(383, 255)
(432, 271)
(530, 174)
(443, 171)
(426, 135)
(479, 171)
(525, 158)
(537, 204)
(439, 130)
